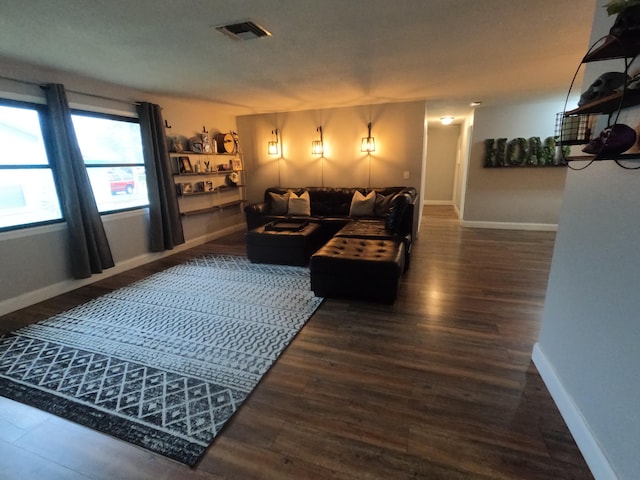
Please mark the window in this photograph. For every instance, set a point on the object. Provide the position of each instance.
(27, 190)
(112, 150)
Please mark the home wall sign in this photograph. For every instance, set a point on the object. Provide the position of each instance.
(522, 152)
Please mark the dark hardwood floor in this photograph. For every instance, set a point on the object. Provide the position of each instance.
(439, 385)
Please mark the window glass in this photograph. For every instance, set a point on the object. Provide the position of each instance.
(27, 189)
(112, 151)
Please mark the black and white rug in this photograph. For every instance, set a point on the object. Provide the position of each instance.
(165, 362)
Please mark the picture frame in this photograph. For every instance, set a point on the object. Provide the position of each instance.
(237, 164)
(184, 165)
(186, 188)
(208, 186)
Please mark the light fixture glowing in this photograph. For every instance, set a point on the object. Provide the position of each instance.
(475, 103)
(446, 120)
(274, 145)
(317, 146)
(368, 143)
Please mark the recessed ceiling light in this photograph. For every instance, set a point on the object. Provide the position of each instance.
(475, 103)
(446, 120)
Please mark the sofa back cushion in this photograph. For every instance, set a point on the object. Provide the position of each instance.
(336, 202)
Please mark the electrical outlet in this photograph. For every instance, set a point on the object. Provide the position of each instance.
(405, 175)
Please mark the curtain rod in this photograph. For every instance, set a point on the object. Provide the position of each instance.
(102, 97)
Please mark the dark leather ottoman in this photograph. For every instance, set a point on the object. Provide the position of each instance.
(376, 229)
(294, 246)
(365, 268)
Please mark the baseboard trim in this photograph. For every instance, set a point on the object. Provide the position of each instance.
(544, 227)
(579, 428)
(35, 296)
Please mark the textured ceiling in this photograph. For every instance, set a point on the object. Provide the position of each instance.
(323, 53)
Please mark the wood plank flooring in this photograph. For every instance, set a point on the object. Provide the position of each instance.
(439, 385)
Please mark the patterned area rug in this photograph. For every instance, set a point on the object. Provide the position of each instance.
(164, 362)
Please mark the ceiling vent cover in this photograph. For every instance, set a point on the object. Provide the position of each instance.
(244, 30)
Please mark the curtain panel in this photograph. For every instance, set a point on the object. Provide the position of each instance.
(89, 249)
(165, 225)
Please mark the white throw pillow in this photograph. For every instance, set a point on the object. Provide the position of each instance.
(299, 205)
(362, 206)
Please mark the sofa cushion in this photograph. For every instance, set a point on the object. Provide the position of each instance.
(361, 205)
(299, 205)
(279, 203)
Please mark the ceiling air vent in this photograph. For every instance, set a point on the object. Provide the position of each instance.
(244, 30)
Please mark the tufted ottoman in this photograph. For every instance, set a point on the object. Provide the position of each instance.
(365, 268)
(282, 245)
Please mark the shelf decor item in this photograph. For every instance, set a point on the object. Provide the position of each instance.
(195, 144)
(226, 143)
(606, 84)
(184, 165)
(627, 24)
(616, 139)
(232, 179)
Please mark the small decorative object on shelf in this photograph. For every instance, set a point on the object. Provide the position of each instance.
(232, 179)
(606, 84)
(616, 139)
(176, 143)
(195, 144)
(206, 142)
(184, 165)
(627, 24)
(226, 143)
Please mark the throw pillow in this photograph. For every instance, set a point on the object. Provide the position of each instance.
(362, 206)
(299, 205)
(279, 203)
(382, 204)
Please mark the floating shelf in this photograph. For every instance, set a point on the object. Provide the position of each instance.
(189, 152)
(623, 156)
(608, 104)
(214, 208)
(611, 48)
(204, 174)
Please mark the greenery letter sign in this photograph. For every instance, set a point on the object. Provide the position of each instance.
(521, 152)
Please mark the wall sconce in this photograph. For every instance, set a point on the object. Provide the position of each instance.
(274, 145)
(446, 120)
(368, 143)
(317, 146)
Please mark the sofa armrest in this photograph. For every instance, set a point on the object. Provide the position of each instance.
(396, 213)
(258, 208)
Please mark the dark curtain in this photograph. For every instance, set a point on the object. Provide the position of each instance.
(88, 245)
(165, 225)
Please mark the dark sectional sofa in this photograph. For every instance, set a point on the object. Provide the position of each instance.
(359, 256)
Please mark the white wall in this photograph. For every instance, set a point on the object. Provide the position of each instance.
(462, 164)
(397, 128)
(515, 195)
(588, 350)
(441, 163)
